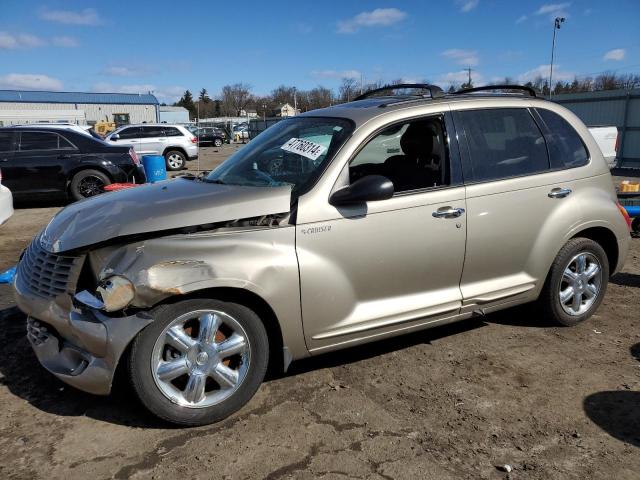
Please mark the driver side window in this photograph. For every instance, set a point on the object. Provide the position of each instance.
(413, 155)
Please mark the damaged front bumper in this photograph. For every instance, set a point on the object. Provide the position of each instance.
(79, 345)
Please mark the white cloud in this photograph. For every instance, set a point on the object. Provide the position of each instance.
(10, 41)
(462, 57)
(65, 42)
(521, 19)
(88, 16)
(335, 74)
(543, 71)
(615, 54)
(380, 17)
(554, 10)
(467, 5)
(29, 81)
(167, 94)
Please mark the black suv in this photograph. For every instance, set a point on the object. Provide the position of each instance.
(57, 161)
(210, 135)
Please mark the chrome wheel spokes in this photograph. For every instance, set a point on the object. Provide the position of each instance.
(580, 284)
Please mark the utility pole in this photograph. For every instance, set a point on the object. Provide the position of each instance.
(469, 71)
(295, 101)
(556, 26)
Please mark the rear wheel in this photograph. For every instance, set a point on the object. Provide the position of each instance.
(175, 159)
(576, 283)
(217, 142)
(199, 361)
(88, 183)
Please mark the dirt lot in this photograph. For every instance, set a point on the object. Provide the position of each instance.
(452, 402)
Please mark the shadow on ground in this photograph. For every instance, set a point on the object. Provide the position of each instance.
(626, 280)
(617, 412)
(25, 377)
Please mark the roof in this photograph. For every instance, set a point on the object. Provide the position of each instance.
(166, 108)
(29, 96)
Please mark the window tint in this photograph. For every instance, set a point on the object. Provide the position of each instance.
(64, 144)
(566, 149)
(504, 142)
(6, 141)
(133, 132)
(172, 132)
(38, 141)
(412, 155)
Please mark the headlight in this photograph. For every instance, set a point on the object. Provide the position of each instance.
(115, 292)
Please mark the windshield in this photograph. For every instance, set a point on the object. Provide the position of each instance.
(291, 152)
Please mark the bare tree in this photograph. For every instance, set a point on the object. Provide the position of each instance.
(319, 97)
(348, 89)
(235, 98)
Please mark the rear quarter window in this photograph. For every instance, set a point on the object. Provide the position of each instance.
(173, 132)
(566, 149)
(503, 143)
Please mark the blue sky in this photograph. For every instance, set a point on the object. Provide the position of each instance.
(169, 46)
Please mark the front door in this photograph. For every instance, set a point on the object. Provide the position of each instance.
(389, 265)
(129, 136)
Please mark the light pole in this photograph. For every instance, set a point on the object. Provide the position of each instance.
(556, 26)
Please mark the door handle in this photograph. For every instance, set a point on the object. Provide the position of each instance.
(448, 212)
(63, 156)
(559, 192)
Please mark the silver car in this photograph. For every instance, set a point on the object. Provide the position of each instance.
(341, 226)
(174, 142)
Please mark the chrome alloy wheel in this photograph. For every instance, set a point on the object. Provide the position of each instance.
(201, 358)
(175, 161)
(580, 284)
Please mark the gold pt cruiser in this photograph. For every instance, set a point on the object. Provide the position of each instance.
(402, 210)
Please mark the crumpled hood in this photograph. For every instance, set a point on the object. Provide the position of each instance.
(160, 206)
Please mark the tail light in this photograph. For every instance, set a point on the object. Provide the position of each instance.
(626, 216)
(194, 140)
(134, 156)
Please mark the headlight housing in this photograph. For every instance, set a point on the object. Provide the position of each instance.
(116, 293)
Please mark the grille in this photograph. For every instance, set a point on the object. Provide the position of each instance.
(44, 274)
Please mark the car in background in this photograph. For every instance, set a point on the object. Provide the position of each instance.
(240, 131)
(174, 142)
(210, 136)
(54, 161)
(6, 202)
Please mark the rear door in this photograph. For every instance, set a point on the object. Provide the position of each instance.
(152, 140)
(40, 161)
(512, 212)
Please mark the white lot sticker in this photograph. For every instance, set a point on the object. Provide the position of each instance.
(305, 148)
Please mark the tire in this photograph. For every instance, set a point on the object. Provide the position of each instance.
(175, 160)
(198, 387)
(582, 286)
(635, 225)
(88, 183)
(217, 142)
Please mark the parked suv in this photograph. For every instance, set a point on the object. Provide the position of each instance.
(174, 142)
(60, 161)
(210, 136)
(337, 227)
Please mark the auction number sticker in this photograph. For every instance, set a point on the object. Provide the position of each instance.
(305, 148)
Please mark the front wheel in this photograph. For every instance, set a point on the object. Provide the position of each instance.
(576, 283)
(175, 159)
(217, 142)
(199, 361)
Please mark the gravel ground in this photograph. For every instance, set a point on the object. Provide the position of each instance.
(451, 402)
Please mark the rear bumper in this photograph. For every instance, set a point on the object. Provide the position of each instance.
(78, 345)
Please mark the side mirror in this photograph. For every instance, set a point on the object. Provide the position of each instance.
(366, 189)
(114, 137)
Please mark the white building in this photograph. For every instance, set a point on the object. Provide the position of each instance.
(21, 106)
(174, 114)
(286, 110)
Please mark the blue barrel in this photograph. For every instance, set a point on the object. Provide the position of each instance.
(154, 168)
(633, 211)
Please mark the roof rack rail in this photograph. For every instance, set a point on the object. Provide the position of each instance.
(529, 90)
(434, 90)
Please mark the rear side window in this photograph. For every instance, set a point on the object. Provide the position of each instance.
(503, 142)
(566, 149)
(38, 141)
(6, 141)
(172, 132)
(152, 132)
